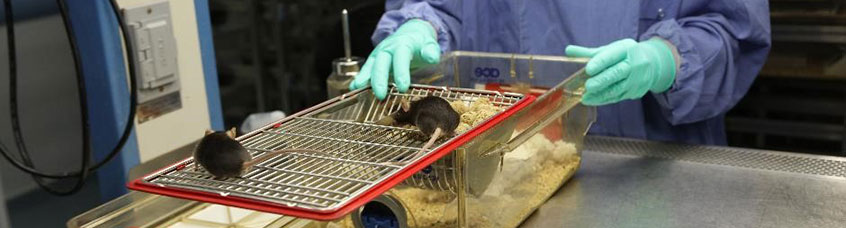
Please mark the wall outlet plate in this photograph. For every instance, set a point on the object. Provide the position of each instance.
(151, 32)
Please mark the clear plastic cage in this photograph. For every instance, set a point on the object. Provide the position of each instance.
(500, 177)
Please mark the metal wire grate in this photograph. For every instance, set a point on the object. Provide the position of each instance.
(355, 159)
(356, 153)
(379, 109)
(735, 157)
(440, 175)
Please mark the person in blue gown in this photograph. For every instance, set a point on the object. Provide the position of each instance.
(663, 70)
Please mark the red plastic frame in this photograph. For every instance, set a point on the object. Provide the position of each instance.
(365, 197)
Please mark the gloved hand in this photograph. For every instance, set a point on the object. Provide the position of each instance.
(413, 45)
(626, 69)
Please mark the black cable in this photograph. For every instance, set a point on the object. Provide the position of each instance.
(83, 103)
(83, 100)
(133, 91)
(130, 118)
(13, 103)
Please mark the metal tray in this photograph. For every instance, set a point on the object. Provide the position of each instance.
(326, 187)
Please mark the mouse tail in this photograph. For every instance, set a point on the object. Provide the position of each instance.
(437, 134)
(272, 154)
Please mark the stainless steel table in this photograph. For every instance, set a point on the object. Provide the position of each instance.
(630, 183)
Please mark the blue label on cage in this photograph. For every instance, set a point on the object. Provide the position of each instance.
(485, 75)
(486, 72)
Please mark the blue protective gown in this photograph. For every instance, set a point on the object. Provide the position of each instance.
(722, 45)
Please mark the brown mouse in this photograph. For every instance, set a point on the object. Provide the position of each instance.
(223, 156)
(433, 115)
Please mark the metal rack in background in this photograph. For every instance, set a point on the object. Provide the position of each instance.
(357, 153)
(276, 54)
(797, 102)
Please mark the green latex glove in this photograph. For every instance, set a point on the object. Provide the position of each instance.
(626, 69)
(413, 45)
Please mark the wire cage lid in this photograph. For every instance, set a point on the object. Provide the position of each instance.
(355, 169)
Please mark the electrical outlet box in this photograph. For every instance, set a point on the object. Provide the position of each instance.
(151, 32)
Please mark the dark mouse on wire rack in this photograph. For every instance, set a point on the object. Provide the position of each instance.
(223, 156)
(433, 115)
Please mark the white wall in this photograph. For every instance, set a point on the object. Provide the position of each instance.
(186, 125)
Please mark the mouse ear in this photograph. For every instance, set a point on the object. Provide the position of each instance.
(209, 132)
(231, 132)
(405, 104)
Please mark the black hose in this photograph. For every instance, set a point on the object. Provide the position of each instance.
(132, 102)
(13, 103)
